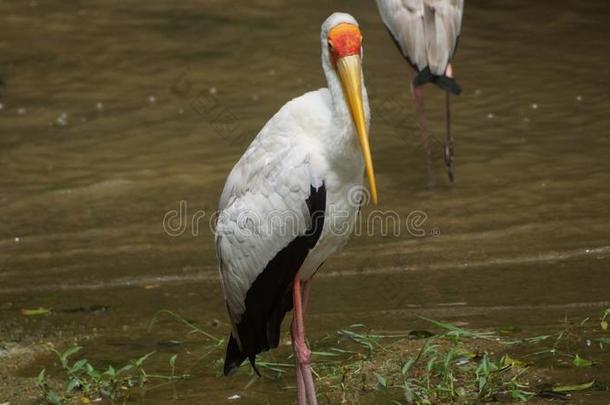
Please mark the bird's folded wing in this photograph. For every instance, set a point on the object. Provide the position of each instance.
(262, 210)
(443, 23)
(405, 21)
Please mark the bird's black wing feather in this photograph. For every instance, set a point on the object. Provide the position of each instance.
(270, 296)
(424, 76)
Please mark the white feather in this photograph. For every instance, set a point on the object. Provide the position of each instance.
(426, 30)
(272, 179)
(310, 141)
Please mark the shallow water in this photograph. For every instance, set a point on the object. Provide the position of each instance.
(114, 113)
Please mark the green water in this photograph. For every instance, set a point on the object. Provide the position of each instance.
(113, 113)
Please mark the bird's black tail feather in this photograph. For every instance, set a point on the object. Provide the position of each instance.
(235, 357)
(446, 83)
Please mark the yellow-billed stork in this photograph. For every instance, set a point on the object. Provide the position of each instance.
(426, 32)
(287, 205)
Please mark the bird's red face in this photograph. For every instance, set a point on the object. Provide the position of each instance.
(344, 40)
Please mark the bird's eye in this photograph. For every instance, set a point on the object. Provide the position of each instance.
(330, 44)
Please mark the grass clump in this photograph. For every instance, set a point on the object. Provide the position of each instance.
(445, 368)
(454, 365)
(355, 365)
(85, 383)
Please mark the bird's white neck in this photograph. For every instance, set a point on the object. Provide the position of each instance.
(345, 140)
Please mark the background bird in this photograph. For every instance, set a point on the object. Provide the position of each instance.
(426, 32)
(288, 204)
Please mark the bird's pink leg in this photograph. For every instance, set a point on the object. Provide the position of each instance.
(418, 95)
(449, 70)
(301, 351)
(301, 395)
(305, 298)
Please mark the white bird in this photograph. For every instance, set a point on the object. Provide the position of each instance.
(426, 32)
(288, 204)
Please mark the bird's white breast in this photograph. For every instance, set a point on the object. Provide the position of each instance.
(342, 175)
(305, 144)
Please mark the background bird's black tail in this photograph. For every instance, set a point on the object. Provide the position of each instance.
(446, 83)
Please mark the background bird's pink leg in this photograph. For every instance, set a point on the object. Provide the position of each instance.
(449, 146)
(301, 351)
(418, 95)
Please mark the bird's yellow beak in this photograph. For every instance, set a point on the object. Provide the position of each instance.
(350, 72)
